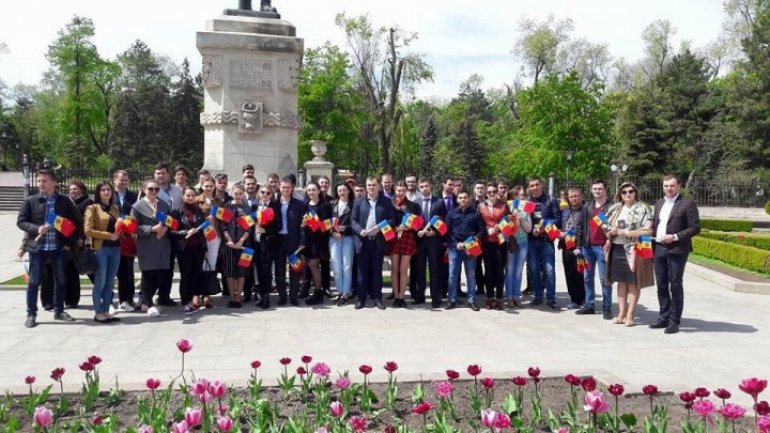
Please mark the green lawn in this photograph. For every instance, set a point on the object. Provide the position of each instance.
(726, 267)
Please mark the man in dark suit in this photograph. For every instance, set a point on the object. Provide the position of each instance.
(289, 239)
(428, 248)
(675, 222)
(447, 202)
(370, 244)
(267, 242)
(125, 199)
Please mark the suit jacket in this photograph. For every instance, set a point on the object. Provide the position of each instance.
(128, 201)
(437, 208)
(441, 206)
(683, 221)
(294, 213)
(384, 210)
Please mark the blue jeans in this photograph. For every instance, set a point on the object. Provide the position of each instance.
(594, 255)
(541, 258)
(514, 272)
(108, 259)
(36, 264)
(341, 251)
(456, 258)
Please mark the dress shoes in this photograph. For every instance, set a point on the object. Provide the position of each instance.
(672, 328)
(451, 306)
(281, 301)
(607, 315)
(379, 305)
(660, 324)
(586, 310)
(360, 305)
(473, 306)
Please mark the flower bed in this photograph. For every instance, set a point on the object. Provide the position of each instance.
(309, 398)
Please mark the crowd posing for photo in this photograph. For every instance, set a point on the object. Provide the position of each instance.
(242, 239)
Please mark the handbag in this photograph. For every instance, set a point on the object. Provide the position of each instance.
(85, 260)
(211, 285)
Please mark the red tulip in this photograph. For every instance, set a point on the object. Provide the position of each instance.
(97, 420)
(588, 384)
(95, 360)
(153, 383)
(306, 359)
(390, 366)
(255, 364)
(86, 366)
(390, 429)
(753, 386)
(336, 409)
(29, 380)
(452, 375)
(57, 373)
(184, 345)
(616, 389)
(488, 383)
(650, 390)
(687, 397)
(301, 371)
(722, 393)
(519, 381)
(285, 361)
(474, 370)
(701, 392)
(533, 372)
(762, 408)
(572, 379)
(365, 369)
(502, 421)
(422, 408)
(358, 424)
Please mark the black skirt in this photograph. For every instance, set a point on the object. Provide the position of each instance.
(620, 270)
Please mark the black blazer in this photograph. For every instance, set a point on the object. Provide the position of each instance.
(344, 217)
(683, 221)
(180, 236)
(128, 201)
(441, 208)
(294, 213)
(33, 214)
(437, 208)
(272, 229)
(383, 211)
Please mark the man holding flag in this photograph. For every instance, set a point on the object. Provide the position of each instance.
(46, 242)
(463, 222)
(590, 243)
(429, 242)
(541, 256)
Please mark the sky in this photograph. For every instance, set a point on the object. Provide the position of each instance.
(458, 38)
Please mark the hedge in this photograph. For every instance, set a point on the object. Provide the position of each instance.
(726, 225)
(756, 240)
(744, 257)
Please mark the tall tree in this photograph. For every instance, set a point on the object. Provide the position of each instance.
(186, 105)
(539, 42)
(427, 145)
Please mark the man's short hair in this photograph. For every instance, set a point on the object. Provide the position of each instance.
(672, 176)
(289, 179)
(600, 181)
(574, 189)
(373, 178)
(50, 173)
(203, 171)
(273, 176)
(480, 182)
(501, 180)
(424, 179)
(323, 176)
(117, 173)
(534, 178)
(220, 176)
(247, 167)
(161, 166)
(449, 178)
(250, 177)
(183, 169)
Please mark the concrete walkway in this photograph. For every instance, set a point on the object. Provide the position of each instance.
(723, 339)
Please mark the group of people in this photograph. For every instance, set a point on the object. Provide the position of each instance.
(243, 238)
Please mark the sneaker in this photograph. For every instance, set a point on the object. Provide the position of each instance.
(125, 307)
(63, 316)
(188, 309)
(153, 312)
(586, 310)
(535, 302)
(573, 306)
(31, 322)
(111, 310)
(473, 306)
(553, 305)
(607, 315)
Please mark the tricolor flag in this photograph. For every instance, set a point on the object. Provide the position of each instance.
(208, 231)
(247, 221)
(336, 223)
(570, 240)
(265, 216)
(221, 213)
(297, 265)
(439, 225)
(387, 230)
(472, 246)
(599, 220)
(582, 263)
(501, 238)
(326, 225)
(551, 230)
(312, 221)
(246, 255)
(522, 205)
(126, 224)
(507, 227)
(644, 247)
(167, 220)
(63, 225)
(412, 221)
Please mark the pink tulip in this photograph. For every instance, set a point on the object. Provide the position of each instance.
(42, 417)
(322, 429)
(357, 423)
(753, 386)
(764, 424)
(488, 417)
(336, 409)
(29, 380)
(146, 429)
(321, 369)
(217, 389)
(223, 409)
(732, 411)
(595, 402)
(703, 407)
(444, 389)
(184, 345)
(153, 383)
(201, 386)
(193, 416)
(225, 424)
(204, 397)
(342, 383)
(562, 430)
(180, 427)
(502, 421)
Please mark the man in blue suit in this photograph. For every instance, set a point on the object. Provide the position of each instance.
(429, 248)
(370, 244)
(289, 239)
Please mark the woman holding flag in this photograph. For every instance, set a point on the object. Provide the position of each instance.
(404, 245)
(317, 224)
(191, 249)
(517, 247)
(494, 213)
(628, 219)
(206, 200)
(342, 243)
(237, 254)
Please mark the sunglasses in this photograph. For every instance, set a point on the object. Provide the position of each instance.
(153, 188)
(627, 191)
(265, 192)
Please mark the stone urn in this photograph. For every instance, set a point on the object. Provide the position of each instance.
(318, 147)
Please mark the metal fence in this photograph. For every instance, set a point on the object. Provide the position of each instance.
(90, 178)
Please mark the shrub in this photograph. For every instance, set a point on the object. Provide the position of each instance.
(756, 240)
(767, 207)
(726, 225)
(753, 259)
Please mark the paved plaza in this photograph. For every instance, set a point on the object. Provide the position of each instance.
(723, 339)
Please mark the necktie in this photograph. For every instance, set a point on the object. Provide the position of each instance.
(426, 207)
(448, 201)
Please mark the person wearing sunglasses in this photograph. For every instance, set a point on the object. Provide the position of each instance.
(628, 219)
(492, 211)
(266, 244)
(153, 247)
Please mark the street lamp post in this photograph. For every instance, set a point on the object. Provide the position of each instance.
(618, 171)
(25, 173)
(570, 154)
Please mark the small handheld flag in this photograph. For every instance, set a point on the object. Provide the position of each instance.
(221, 213)
(439, 225)
(387, 230)
(126, 224)
(570, 240)
(63, 225)
(472, 246)
(336, 223)
(326, 225)
(599, 220)
(246, 221)
(167, 220)
(501, 238)
(297, 265)
(507, 227)
(551, 230)
(208, 231)
(582, 263)
(312, 221)
(412, 221)
(644, 247)
(246, 255)
(265, 216)
(522, 205)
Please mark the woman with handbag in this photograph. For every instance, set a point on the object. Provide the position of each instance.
(99, 221)
(206, 200)
(517, 249)
(78, 194)
(153, 247)
(191, 250)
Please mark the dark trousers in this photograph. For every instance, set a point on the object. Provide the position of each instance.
(264, 260)
(72, 291)
(428, 258)
(354, 275)
(164, 290)
(46, 288)
(413, 276)
(126, 283)
(494, 265)
(669, 271)
(481, 283)
(152, 282)
(575, 281)
(444, 272)
(191, 280)
(36, 264)
(281, 256)
(370, 271)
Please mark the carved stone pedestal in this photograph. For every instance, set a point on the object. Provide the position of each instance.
(318, 166)
(250, 76)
